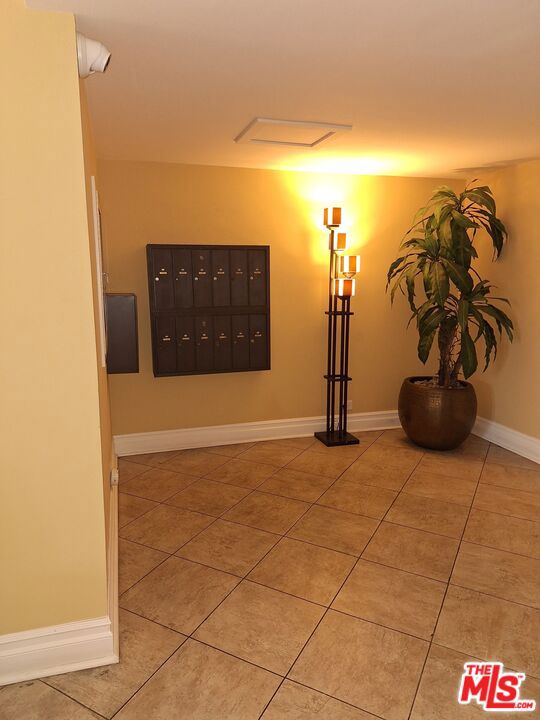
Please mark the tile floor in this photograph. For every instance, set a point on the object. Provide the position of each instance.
(287, 581)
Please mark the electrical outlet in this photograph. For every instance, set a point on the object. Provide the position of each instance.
(349, 405)
(114, 477)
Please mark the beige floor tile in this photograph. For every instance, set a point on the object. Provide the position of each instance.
(144, 646)
(396, 599)
(412, 550)
(367, 437)
(229, 547)
(362, 499)
(230, 450)
(267, 512)
(128, 469)
(406, 458)
(334, 529)
(154, 459)
(134, 562)
(302, 443)
(320, 463)
(131, 507)
(437, 694)
(504, 533)
(307, 571)
(242, 473)
(296, 702)
(490, 628)
(507, 501)
(261, 625)
(195, 462)
(441, 487)
(209, 497)
(496, 572)
(424, 513)
(165, 528)
(396, 438)
(297, 485)
(505, 457)
(271, 453)
(362, 664)
(178, 594)
(347, 452)
(34, 700)
(474, 448)
(368, 472)
(451, 465)
(157, 484)
(200, 683)
(511, 476)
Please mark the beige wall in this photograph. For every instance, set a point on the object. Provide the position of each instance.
(108, 460)
(161, 203)
(509, 392)
(52, 547)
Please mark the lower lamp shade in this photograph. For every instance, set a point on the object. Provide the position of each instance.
(339, 240)
(343, 287)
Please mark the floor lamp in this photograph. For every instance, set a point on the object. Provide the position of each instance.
(341, 287)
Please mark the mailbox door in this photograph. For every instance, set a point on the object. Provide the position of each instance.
(257, 277)
(165, 345)
(183, 278)
(239, 278)
(204, 351)
(258, 342)
(240, 342)
(202, 280)
(221, 281)
(185, 344)
(222, 342)
(162, 279)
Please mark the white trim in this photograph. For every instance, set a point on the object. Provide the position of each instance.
(112, 568)
(58, 649)
(99, 272)
(136, 443)
(517, 442)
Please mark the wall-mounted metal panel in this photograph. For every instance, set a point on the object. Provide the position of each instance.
(210, 308)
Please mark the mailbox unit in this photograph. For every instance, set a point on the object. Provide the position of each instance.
(210, 308)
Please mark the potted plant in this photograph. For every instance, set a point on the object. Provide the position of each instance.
(452, 304)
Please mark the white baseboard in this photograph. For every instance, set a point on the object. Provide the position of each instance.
(512, 440)
(72, 646)
(136, 443)
(58, 649)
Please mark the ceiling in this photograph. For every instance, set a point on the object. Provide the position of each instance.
(430, 87)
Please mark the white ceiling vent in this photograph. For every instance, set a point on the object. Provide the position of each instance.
(295, 133)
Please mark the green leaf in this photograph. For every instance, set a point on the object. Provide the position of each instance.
(463, 314)
(463, 221)
(393, 267)
(459, 275)
(439, 283)
(424, 346)
(468, 358)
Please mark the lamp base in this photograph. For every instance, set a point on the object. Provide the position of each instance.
(333, 439)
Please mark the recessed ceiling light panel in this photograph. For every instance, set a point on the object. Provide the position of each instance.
(293, 133)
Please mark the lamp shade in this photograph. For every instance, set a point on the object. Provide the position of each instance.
(339, 241)
(332, 217)
(349, 265)
(343, 287)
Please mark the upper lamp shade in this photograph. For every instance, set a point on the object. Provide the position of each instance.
(343, 287)
(349, 265)
(332, 217)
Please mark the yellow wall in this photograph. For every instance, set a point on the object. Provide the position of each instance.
(509, 392)
(52, 547)
(108, 460)
(161, 203)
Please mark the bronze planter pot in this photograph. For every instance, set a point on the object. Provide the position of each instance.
(434, 417)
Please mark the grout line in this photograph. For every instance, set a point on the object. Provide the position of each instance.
(65, 694)
(447, 587)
